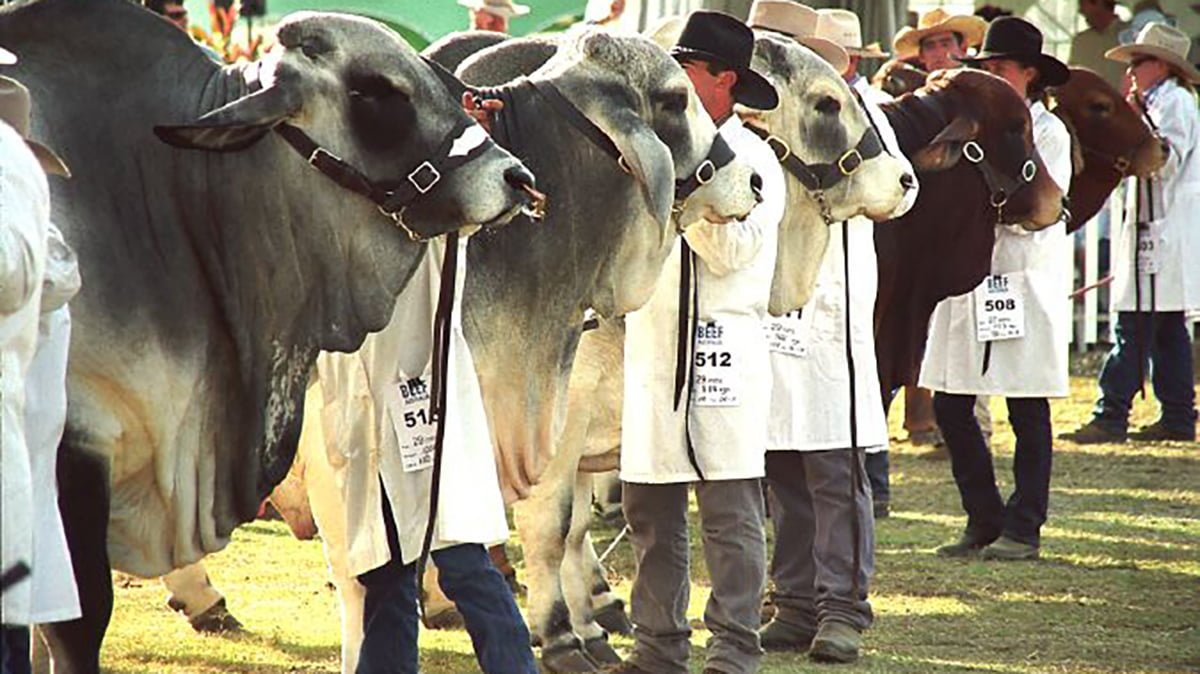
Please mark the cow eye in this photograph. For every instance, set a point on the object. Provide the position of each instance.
(828, 105)
(372, 86)
(673, 102)
(313, 46)
(1099, 107)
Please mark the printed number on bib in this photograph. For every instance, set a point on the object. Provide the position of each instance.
(784, 335)
(1148, 249)
(716, 382)
(999, 308)
(415, 424)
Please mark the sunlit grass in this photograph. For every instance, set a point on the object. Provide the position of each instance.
(1117, 590)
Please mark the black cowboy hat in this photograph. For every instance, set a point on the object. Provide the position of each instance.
(1016, 39)
(722, 39)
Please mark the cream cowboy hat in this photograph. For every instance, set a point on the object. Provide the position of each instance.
(907, 42)
(506, 8)
(1165, 43)
(16, 111)
(798, 22)
(842, 27)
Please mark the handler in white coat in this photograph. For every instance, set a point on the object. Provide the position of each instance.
(708, 428)
(1023, 311)
(380, 438)
(821, 507)
(1156, 254)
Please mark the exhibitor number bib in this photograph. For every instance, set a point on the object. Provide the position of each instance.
(999, 308)
(1147, 249)
(716, 382)
(415, 423)
(785, 335)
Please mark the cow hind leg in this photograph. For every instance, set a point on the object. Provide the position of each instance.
(83, 480)
(542, 521)
(607, 608)
(193, 595)
(576, 577)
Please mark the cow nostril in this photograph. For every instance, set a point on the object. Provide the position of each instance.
(519, 177)
(907, 181)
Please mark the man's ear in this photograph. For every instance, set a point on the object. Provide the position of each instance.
(945, 149)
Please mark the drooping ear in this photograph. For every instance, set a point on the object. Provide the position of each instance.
(648, 159)
(234, 126)
(945, 149)
(1077, 161)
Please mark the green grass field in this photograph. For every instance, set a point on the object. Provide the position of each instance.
(1117, 589)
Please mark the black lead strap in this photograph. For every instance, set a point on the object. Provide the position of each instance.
(855, 450)
(685, 344)
(442, 333)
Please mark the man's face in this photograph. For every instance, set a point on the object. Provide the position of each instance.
(939, 51)
(1147, 71)
(177, 14)
(1092, 10)
(485, 20)
(1018, 75)
(714, 91)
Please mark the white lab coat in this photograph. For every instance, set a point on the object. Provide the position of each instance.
(362, 395)
(810, 393)
(1033, 366)
(734, 268)
(1177, 283)
(24, 225)
(55, 597)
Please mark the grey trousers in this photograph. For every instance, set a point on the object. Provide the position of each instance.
(731, 523)
(812, 510)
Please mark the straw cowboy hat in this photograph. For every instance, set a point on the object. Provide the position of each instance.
(505, 8)
(908, 41)
(798, 22)
(1165, 43)
(16, 110)
(720, 38)
(842, 27)
(1016, 39)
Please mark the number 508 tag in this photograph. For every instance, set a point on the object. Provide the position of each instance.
(999, 308)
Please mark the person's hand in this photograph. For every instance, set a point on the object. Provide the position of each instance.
(481, 111)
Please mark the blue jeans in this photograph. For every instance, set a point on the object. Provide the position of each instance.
(14, 650)
(877, 475)
(467, 576)
(1167, 350)
(988, 516)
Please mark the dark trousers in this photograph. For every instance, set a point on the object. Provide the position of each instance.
(1166, 355)
(877, 474)
(14, 650)
(467, 576)
(988, 516)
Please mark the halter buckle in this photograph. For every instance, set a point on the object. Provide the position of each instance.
(705, 172)
(779, 147)
(999, 198)
(1028, 171)
(1122, 165)
(851, 155)
(419, 174)
(973, 152)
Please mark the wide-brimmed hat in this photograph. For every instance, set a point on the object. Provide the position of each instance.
(1160, 41)
(1016, 39)
(798, 22)
(16, 109)
(842, 27)
(720, 38)
(907, 42)
(505, 8)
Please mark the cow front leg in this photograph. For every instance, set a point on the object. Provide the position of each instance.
(84, 500)
(542, 522)
(193, 595)
(577, 576)
(607, 608)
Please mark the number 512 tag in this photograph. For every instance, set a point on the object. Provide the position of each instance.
(999, 308)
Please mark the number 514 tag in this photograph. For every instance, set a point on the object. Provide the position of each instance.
(999, 308)
(415, 425)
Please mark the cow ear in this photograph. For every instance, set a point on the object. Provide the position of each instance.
(944, 150)
(649, 160)
(234, 126)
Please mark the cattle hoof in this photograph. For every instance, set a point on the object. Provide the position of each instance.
(599, 650)
(450, 619)
(568, 658)
(613, 619)
(216, 620)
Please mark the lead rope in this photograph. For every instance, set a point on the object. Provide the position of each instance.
(1138, 328)
(442, 331)
(689, 297)
(855, 473)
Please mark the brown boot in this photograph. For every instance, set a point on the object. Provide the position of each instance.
(836, 642)
(1094, 433)
(1160, 432)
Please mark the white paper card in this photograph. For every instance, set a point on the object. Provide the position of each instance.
(785, 335)
(1149, 249)
(717, 382)
(999, 308)
(415, 423)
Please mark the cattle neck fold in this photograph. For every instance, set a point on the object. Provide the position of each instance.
(394, 196)
(820, 178)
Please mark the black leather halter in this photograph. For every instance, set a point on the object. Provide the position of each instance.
(391, 196)
(819, 178)
(1000, 185)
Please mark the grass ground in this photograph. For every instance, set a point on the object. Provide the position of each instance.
(1117, 589)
